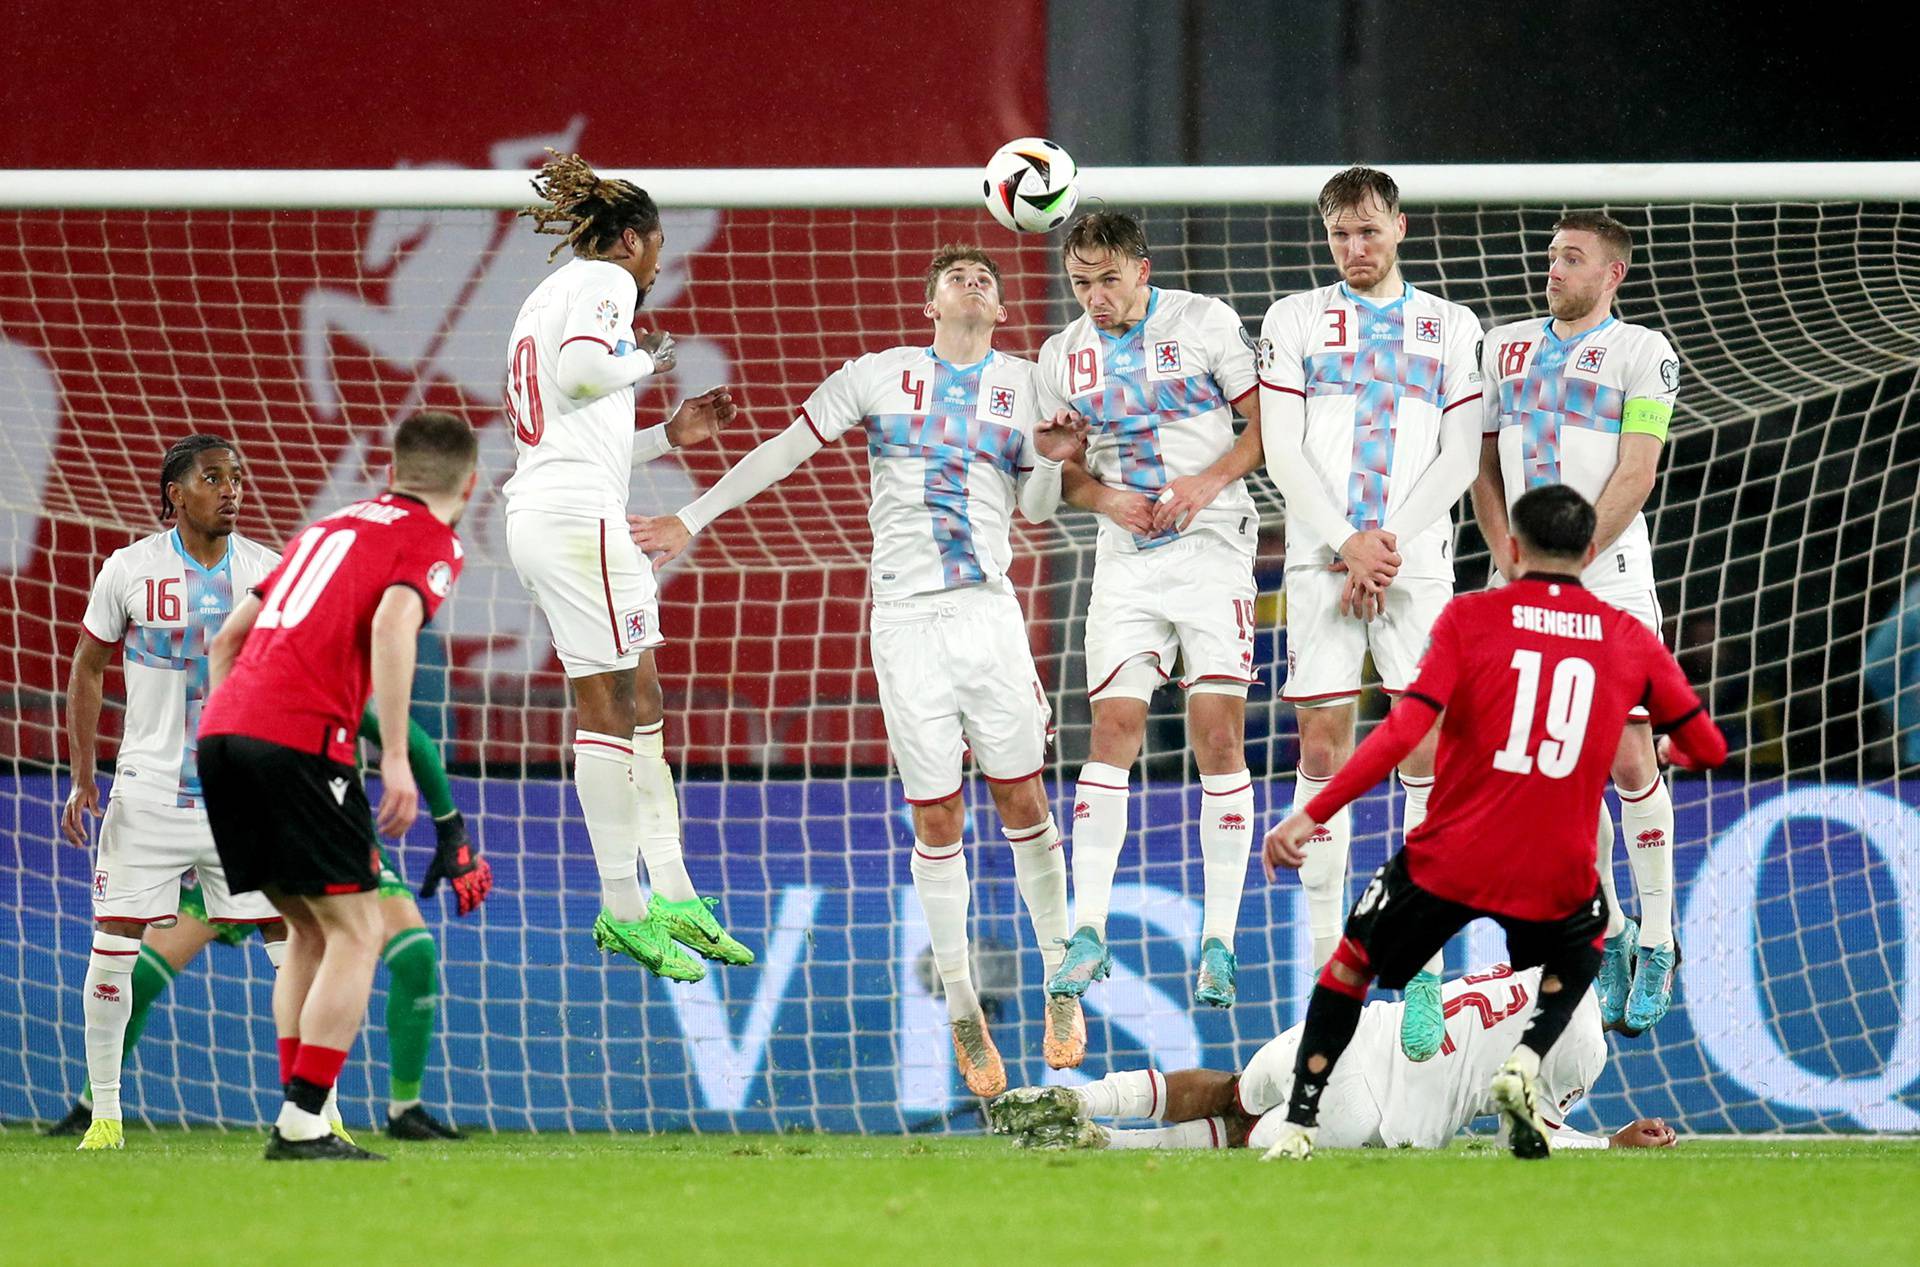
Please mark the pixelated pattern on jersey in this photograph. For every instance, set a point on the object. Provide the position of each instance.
(1380, 374)
(1132, 410)
(1548, 399)
(185, 651)
(949, 439)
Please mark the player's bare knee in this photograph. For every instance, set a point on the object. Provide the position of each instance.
(1326, 739)
(1634, 765)
(648, 704)
(605, 703)
(940, 823)
(1022, 804)
(1119, 726)
(398, 914)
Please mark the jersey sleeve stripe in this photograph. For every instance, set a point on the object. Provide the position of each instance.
(1275, 387)
(808, 419)
(1683, 719)
(1465, 400)
(587, 338)
(1243, 395)
(105, 642)
(1428, 700)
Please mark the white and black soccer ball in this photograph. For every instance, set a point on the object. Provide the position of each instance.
(1029, 185)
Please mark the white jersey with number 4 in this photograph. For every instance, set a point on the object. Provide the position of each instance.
(946, 446)
(1379, 1098)
(572, 457)
(1377, 377)
(161, 607)
(1160, 400)
(1559, 407)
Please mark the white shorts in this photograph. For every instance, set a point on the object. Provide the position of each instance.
(956, 672)
(144, 850)
(592, 584)
(1325, 648)
(1349, 1117)
(1193, 596)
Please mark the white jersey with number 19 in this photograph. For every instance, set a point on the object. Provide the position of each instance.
(573, 457)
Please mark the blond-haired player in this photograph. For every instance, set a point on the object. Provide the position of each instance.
(1583, 398)
(1368, 394)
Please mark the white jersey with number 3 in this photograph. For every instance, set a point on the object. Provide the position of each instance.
(572, 457)
(162, 608)
(1385, 1100)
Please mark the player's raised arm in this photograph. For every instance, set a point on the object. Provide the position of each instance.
(1057, 441)
(663, 537)
(85, 690)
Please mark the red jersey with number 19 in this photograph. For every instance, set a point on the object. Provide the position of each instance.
(1536, 679)
(304, 674)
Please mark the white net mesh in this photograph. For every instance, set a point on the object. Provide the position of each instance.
(1784, 525)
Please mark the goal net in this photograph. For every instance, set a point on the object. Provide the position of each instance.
(302, 314)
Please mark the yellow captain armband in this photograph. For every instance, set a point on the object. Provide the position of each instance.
(1647, 418)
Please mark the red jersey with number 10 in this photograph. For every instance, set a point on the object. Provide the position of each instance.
(1536, 679)
(304, 674)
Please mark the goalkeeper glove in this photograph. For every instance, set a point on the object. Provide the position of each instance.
(455, 861)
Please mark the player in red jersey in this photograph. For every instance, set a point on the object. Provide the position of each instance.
(1533, 683)
(290, 673)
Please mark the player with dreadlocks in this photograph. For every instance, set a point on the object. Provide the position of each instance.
(159, 601)
(572, 365)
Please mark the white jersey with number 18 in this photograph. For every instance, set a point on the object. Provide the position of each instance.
(572, 457)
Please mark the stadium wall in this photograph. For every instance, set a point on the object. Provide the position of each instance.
(1799, 904)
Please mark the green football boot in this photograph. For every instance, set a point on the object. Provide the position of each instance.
(1215, 985)
(1087, 960)
(1615, 979)
(691, 923)
(647, 944)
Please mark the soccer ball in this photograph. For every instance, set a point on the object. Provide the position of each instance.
(1029, 185)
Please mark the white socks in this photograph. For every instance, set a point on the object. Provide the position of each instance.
(1128, 1093)
(1603, 862)
(940, 880)
(1208, 1132)
(1413, 814)
(1646, 820)
(659, 815)
(1099, 831)
(603, 780)
(1040, 868)
(1324, 875)
(1226, 841)
(108, 1002)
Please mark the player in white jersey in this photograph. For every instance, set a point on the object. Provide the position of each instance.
(1158, 375)
(1368, 393)
(571, 369)
(955, 439)
(1375, 1099)
(159, 601)
(1583, 398)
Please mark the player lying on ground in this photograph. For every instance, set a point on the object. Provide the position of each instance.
(411, 956)
(1158, 374)
(572, 366)
(1584, 399)
(291, 671)
(1531, 684)
(158, 600)
(1375, 1099)
(955, 439)
(1369, 416)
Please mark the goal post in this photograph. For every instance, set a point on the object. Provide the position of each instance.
(302, 313)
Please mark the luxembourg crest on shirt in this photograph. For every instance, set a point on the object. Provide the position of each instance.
(1166, 356)
(1590, 359)
(1426, 329)
(1000, 402)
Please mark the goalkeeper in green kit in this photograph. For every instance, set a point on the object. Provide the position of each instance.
(411, 956)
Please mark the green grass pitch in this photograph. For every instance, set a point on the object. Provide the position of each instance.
(205, 1197)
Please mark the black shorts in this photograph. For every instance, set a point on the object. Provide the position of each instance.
(1399, 926)
(287, 821)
